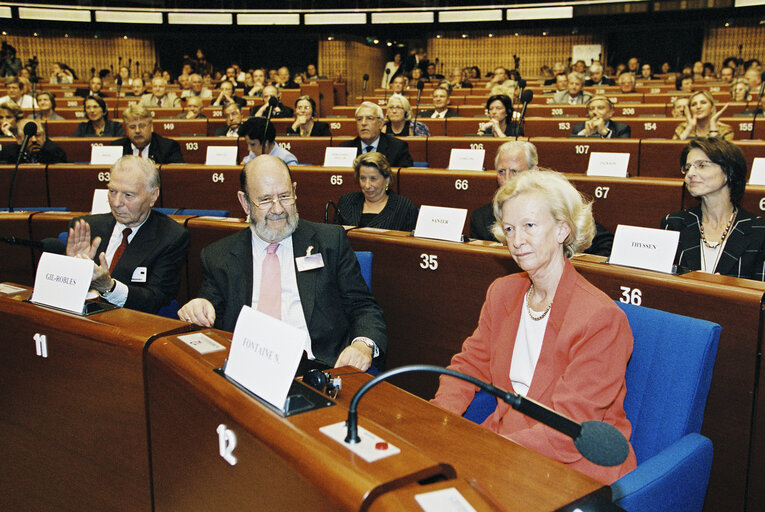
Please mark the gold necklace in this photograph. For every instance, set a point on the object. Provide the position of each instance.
(715, 245)
(528, 306)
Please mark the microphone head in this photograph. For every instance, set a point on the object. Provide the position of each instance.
(420, 85)
(119, 79)
(366, 76)
(272, 102)
(602, 444)
(762, 76)
(30, 129)
(387, 71)
(522, 83)
(527, 96)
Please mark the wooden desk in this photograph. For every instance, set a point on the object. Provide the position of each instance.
(16, 261)
(74, 422)
(572, 154)
(194, 148)
(72, 185)
(661, 158)
(78, 148)
(287, 464)
(433, 303)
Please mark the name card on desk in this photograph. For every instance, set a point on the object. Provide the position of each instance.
(100, 201)
(608, 164)
(105, 155)
(647, 248)
(62, 282)
(758, 172)
(440, 223)
(466, 160)
(221, 155)
(339, 157)
(265, 354)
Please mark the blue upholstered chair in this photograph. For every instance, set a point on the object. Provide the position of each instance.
(365, 262)
(668, 380)
(37, 209)
(193, 211)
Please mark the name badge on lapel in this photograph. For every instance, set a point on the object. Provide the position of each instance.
(139, 275)
(309, 261)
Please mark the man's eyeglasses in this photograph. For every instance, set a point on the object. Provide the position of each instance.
(267, 203)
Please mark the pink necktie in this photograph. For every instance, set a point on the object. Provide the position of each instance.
(270, 300)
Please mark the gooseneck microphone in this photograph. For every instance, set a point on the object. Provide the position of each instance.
(119, 88)
(597, 441)
(420, 87)
(272, 103)
(326, 211)
(364, 88)
(526, 98)
(757, 105)
(29, 130)
(387, 77)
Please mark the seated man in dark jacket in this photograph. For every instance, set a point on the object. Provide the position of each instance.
(39, 148)
(599, 123)
(369, 122)
(142, 141)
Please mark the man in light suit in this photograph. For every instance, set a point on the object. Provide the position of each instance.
(573, 95)
(138, 252)
(159, 97)
(599, 123)
(369, 123)
(330, 300)
(142, 141)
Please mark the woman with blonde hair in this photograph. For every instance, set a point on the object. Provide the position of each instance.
(701, 119)
(400, 122)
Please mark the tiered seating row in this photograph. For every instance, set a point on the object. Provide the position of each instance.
(648, 157)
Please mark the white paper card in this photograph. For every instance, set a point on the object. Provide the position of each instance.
(6, 288)
(647, 248)
(466, 160)
(265, 353)
(201, 342)
(339, 157)
(105, 155)
(758, 172)
(443, 500)
(440, 223)
(100, 201)
(608, 164)
(62, 281)
(221, 155)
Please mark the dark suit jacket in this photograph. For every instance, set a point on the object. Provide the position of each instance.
(319, 129)
(50, 153)
(399, 213)
(162, 150)
(395, 150)
(427, 113)
(618, 130)
(111, 129)
(482, 219)
(221, 131)
(337, 304)
(160, 246)
(744, 254)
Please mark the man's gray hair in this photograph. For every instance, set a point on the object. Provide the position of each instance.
(146, 165)
(373, 106)
(529, 149)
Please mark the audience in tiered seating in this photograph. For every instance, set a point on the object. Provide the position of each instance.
(39, 149)
(400, 119)
(599, 123)
(702, 119)
(369, 123)
(305, 124)
(46, 101)
(98, 123)
(142, 141)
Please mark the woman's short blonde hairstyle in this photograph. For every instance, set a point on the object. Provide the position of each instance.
(372, 159)
(566, 204)
(398, 98)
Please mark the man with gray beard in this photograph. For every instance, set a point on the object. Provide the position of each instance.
(298, 271)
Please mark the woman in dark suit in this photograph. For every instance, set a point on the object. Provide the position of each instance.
(547, 333)
(500, 124)
(376, 206)
(305, 125)
(717, 235)
(98, 124)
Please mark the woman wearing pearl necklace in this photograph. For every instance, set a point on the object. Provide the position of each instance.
(717, 236)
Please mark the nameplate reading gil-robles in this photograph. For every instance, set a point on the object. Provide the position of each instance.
(440, 223)
(647, 248)
(62, 282)
(608, 164)
(265, 353)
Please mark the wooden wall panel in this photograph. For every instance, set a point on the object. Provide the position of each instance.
(722, 42)
(489, 52)
(82, 51)
(352, 59)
